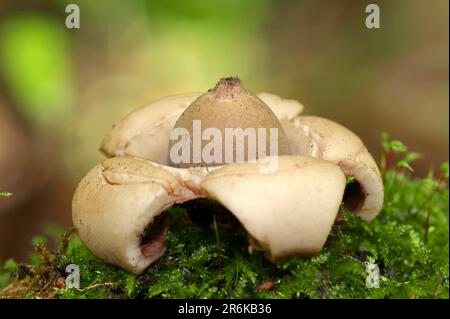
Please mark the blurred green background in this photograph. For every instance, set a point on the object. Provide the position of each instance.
(62, 89)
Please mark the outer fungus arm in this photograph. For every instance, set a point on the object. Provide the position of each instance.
(117, 210)
(145, 132)
(323, 138)
(288, 212)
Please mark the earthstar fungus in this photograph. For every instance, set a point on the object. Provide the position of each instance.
(119, 207)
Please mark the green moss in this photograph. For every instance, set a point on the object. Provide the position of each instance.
(214, 263)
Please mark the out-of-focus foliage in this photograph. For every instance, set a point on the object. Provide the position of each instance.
(5, 194)
(35, 63)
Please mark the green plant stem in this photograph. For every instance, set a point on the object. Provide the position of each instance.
(427, 219)
(216, 231)
(392, 186)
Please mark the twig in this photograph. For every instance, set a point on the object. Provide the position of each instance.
(102, 284)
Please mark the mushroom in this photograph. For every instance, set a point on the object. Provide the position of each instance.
(289, 212)
(145, 132)
(323, 138)
(226, 110)
(119, 208)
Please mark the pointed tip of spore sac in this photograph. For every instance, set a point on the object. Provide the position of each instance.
(229, 81)
(228, 87)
